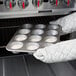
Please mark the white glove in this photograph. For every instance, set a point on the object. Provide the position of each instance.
(62, 51)
(68, 23)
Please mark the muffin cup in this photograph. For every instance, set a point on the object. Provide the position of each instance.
(52, 32)
(40, 26)
(53, 26)
(27, 26)
(32, 46)
(50, 39)
(24, 31)
(16, 45)
(37, 32)
(35, 38)
(20, 37)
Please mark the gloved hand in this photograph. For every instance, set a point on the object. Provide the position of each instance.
(62, 51)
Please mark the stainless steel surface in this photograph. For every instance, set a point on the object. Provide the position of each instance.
(32, 8)
(63, 69)
(27, 65)
(31, 45)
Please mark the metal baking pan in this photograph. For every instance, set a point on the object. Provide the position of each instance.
(31, 37)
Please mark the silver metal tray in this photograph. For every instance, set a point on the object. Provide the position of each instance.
(29, 39)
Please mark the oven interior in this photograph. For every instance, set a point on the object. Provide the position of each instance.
(24, 64)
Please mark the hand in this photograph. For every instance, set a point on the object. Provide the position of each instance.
(62, 51)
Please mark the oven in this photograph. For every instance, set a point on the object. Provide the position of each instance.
(15, 13)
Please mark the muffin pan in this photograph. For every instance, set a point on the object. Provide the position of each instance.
(31, 37)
